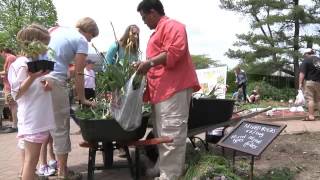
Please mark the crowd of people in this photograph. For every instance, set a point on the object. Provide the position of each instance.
(44, 130)
(170, 74)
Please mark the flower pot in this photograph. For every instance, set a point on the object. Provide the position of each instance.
(44, 65)
(32, 66)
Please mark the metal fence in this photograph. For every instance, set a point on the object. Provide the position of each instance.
(276, 81)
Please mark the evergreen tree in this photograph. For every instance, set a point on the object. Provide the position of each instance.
(276, 35)
(203, 61)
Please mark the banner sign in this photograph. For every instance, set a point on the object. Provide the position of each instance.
(213, 79)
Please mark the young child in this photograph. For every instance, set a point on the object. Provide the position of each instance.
(254, 96)
(89, 80)
(32, 94)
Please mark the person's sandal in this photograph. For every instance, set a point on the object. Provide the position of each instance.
(308, 119)
(71, 176)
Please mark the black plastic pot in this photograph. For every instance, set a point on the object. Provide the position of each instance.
(109, 130)
(44, 65)
(206, 112)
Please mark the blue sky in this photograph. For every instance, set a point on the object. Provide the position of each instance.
(211, 30)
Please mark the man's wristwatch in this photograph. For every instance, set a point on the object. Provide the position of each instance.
(151, 63)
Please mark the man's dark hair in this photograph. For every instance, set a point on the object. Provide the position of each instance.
(146, 6)
(7, 50)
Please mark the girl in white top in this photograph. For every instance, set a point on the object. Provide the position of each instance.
(32, 93)
(89, 80)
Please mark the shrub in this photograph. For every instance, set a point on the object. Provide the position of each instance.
(204, 165)
(268, 91)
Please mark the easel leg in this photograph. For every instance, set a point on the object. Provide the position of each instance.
(251, 168)
(233, 161)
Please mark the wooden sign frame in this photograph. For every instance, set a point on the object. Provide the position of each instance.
(265, 144)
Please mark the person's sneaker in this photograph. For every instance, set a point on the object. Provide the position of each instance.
(45, 171)
(122, 153)
(10, 130)
(53, 164)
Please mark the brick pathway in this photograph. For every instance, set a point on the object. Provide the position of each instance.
(10, 162)
(10, 157)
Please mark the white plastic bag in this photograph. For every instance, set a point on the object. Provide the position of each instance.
(299, 99)
(126, 107)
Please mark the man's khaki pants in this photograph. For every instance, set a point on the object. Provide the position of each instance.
(170, 118)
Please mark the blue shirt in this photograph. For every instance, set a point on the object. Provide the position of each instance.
(66, 43)
(113, 50)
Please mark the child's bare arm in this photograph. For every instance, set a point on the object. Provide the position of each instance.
(47, 85)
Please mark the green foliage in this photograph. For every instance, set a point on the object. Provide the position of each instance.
(116, 76)
(100, 111)
(268, 91)
(203, 61)
(277, 174)
(203, 165)
(274, 36)
(110, 87)
(4, 37)
(33, 49)
(15, 14)
(231, 78)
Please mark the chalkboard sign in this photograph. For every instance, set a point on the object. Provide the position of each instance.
(251, 137)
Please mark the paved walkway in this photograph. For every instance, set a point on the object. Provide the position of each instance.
(78, 158)
(10, 157)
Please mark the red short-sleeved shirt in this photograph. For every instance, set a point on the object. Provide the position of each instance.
(9, 59)
(178, 73)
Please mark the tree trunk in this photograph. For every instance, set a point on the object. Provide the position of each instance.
(296, 47)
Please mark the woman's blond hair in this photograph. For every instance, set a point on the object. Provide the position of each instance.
(33, 32)
(88, 25)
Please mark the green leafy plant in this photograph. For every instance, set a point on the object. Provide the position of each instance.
(110, 87)
(205, 165)
(100, 111)
(208, 166)
(33, 49)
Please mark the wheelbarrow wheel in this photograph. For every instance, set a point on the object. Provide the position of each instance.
(107, 154)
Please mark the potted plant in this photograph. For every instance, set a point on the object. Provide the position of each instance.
(35, 51)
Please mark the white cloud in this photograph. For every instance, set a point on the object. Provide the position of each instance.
(211, 30)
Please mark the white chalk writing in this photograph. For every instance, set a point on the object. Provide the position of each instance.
(253, 132)
(250, 144)
(269, 130)
(236, 138)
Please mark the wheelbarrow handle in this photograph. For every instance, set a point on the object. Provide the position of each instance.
(236, 116)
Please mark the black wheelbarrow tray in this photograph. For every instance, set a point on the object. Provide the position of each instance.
(105, 136)
(207, 113)
(109, 130)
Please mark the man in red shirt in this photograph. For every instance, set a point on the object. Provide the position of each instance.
(8, 59)
(171, 79)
